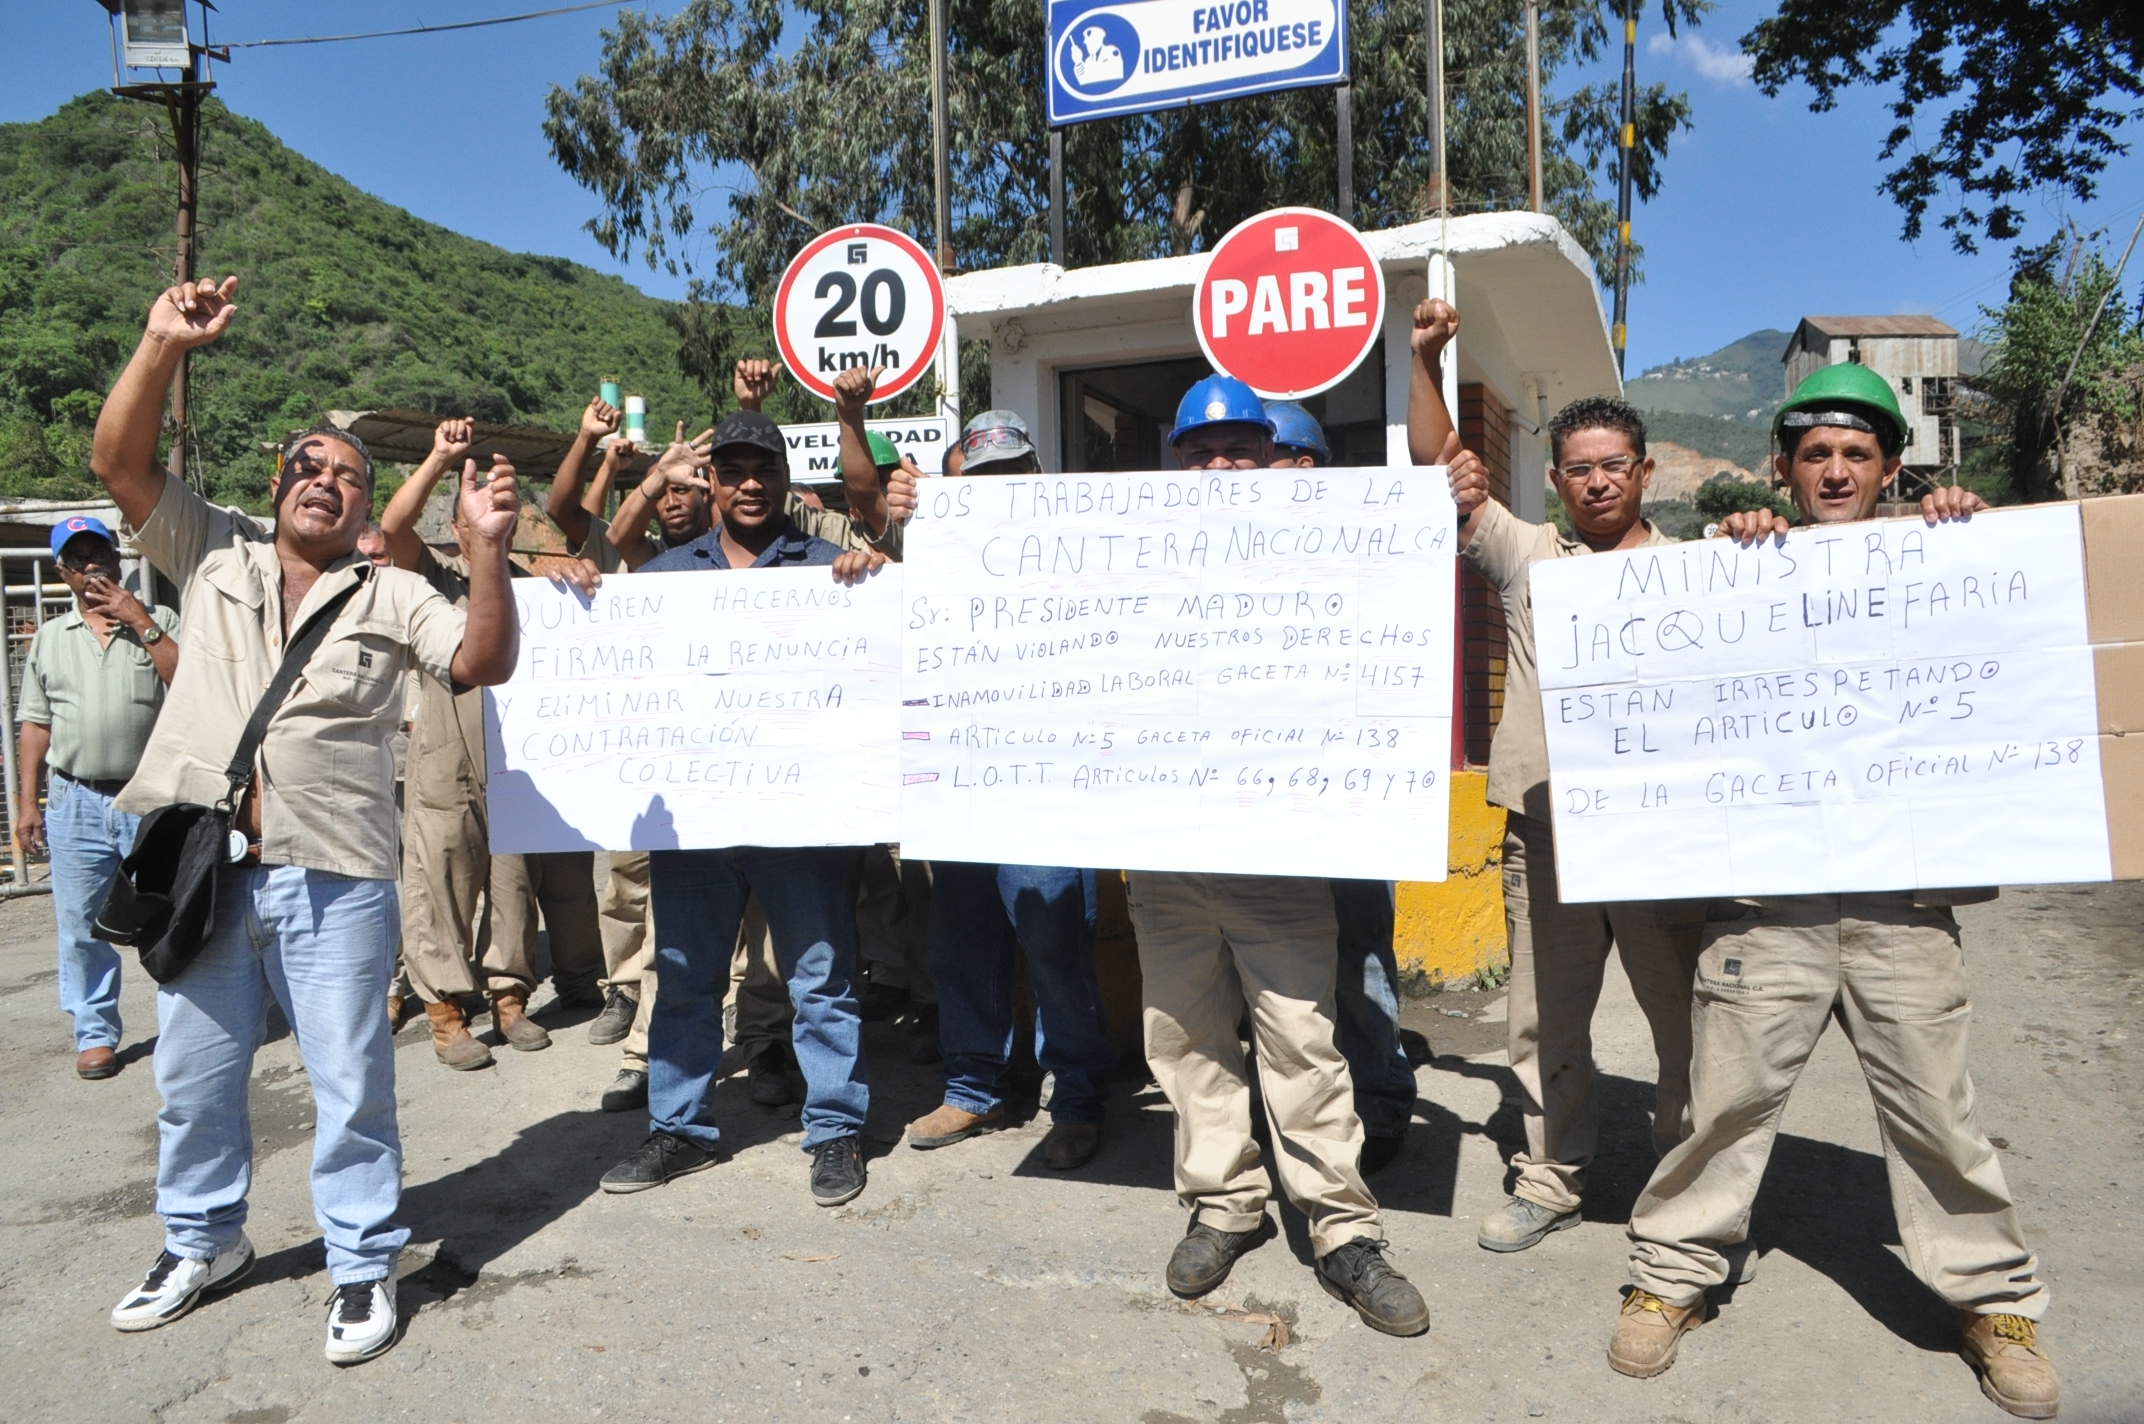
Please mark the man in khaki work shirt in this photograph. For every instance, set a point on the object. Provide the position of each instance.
(1890, 967)
(1559, 951)
(307, 913)
(446, 834)
(90, 693)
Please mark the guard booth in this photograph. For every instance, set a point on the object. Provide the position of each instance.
(1096, 358)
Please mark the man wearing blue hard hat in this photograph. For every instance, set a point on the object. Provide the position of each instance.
(90, 694)
(1216, 949)
(1366, 998)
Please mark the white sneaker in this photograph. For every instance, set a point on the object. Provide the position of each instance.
(361, 1321)
(175, 1285)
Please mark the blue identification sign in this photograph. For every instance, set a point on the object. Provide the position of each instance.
(1110, 57)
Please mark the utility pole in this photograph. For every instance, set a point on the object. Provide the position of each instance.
(157, 38)
(941, 162)
(1533, 106)
(1626, 140)
(1440, 198)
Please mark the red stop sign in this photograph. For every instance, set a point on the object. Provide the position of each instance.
(1291, 302)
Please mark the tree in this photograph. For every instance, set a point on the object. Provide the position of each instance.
(1729, 493)
(823, 106)
(2031, 96)
(2034, 336)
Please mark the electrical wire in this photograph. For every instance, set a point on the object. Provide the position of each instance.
(428, 29)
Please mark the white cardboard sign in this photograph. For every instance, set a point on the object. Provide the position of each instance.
(1228, 671)
(1888, 705)
(690, 710)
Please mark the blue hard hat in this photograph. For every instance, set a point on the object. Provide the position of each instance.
(1298, 429)
(1219, 400)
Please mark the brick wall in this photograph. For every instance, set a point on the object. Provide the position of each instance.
(1484, 430)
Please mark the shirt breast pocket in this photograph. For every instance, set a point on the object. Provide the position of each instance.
(359, 667)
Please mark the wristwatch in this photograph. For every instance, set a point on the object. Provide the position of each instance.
(151, 636)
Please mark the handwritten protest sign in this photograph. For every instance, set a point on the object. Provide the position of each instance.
(685, 710)
(1865, 707)
(1234, 671)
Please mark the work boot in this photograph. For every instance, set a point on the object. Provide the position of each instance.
(946, 1124)
(450, 1037)
(1380, 1150)
(1520, 1223)
(97, 1062)
(1648, 1332)
(2005, 1350)
(627, 1091)
(1202, 1260)
(1068, 1146)
(399, 1013)
(616, 1020)
(766, 1078)
(510, 1016)
(1356, 1274)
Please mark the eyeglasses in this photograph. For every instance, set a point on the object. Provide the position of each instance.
(997, 437)
(1614, 467)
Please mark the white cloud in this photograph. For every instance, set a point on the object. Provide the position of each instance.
(1715, 62)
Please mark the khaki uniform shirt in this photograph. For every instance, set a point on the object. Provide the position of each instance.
(446, 735)
(99, 699)
(325, 775)
(1503, 548)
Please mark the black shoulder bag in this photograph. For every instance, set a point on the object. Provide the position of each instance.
(161, 899)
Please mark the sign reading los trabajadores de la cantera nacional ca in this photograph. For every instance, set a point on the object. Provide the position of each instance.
(1131, 56)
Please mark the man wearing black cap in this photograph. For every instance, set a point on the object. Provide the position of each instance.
(90, 693)
(699, 895)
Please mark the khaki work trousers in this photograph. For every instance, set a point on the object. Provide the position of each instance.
(628, 950)
(1559, 953)
(1210, 948)
(758, 1013)
(455, 943)
(1893, 974)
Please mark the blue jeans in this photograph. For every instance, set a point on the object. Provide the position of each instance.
(324, 946)
(88, 839)
(809, 897)
(982, 918)
(1366, 1007)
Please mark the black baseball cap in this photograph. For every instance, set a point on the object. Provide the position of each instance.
(753, 428)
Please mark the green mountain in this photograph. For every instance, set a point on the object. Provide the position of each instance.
(1741, 381)
(346, 302)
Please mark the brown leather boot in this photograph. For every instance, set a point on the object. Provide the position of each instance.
(1648, 1331)
(450, 1037)
(510, 1016)
(2014, 1372)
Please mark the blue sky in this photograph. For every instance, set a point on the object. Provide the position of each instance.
(449, 127)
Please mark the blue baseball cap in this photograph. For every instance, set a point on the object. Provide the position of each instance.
(79, 524)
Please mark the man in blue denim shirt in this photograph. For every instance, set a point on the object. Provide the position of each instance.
(808, 892)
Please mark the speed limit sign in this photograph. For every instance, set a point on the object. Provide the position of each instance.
(862, 295)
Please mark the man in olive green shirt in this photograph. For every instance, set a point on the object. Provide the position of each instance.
(90, 694)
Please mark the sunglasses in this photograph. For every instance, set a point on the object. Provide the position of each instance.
(997, 437)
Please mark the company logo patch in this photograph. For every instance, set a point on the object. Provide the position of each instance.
(364, 657)
(1732, 966)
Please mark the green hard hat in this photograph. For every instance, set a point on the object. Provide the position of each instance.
(1848, 389)
(882, 451)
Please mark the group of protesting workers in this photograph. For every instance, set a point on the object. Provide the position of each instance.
(687, 949)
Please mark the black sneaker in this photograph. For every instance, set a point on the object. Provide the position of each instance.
(616, 1020)
(657, 1160)
(627, 1091)
(1203, 1259)
(875, 1002)
(1357, 1275)
(766, 1078)
(837, 1170)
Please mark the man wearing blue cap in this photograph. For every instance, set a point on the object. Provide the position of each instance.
(90, 693)
(1215, 949)
(1366, 994)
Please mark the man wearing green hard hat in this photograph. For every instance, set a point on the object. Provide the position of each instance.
(1776, 969)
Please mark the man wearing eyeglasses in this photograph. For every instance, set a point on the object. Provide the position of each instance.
(90, 694)
(1559, 951)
